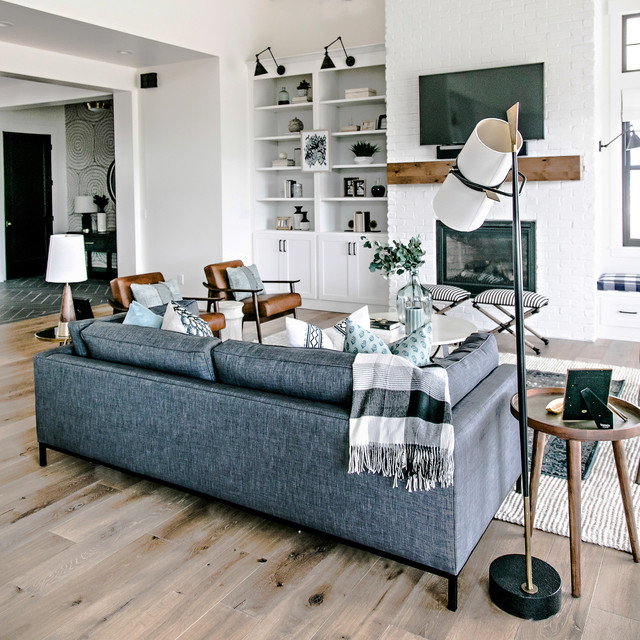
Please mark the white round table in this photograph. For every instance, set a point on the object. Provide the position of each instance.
(445, 330)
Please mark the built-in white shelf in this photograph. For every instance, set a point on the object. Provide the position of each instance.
(352, 199)
(381, 165)
(355, 101)
(282, 138)
(278, 169)
(285, 107)
(285, 199)
(346, 134)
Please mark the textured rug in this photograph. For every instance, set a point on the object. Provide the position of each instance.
(603, 520)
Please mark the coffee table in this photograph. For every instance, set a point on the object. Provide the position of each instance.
(445, 330)
(575, 433)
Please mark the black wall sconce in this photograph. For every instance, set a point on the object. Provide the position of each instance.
(327, 63)
(631, 140)
(260, 70)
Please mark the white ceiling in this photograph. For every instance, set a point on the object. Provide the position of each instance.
(42, 30)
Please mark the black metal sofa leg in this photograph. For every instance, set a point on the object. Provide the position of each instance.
(452, 603)
(42, 448)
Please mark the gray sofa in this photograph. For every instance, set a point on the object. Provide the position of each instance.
(266, 427)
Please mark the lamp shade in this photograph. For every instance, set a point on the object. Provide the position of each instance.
(66, 261)
(84, 204)
(485, 159)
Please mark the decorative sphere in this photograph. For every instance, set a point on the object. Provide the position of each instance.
(295, 125)
(282, 156)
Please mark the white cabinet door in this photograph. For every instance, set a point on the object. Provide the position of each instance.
(334, 261)
(368, 286)
(270, 259)
(300, 253)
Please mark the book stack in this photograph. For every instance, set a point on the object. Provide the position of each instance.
(300, 99)
(363, 92)
(388, 330)
(282, 162)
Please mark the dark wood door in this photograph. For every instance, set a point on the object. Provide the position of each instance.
(27, 200)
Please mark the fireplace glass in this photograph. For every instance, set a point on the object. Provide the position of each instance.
(483, 259)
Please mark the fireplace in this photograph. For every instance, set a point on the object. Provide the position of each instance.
(483, 259)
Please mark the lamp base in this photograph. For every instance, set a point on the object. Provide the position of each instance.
(506, 577)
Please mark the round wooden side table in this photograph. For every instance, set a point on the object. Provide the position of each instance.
(575, 433)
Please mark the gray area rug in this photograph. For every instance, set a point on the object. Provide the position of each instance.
(603, 520)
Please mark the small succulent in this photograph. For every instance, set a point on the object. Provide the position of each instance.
(395, 258)
(303, 85)
(366, 149)
(100, 201)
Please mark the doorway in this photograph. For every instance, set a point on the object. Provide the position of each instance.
(27, 200)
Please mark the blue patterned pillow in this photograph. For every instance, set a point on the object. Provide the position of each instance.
(244, 278)
(177, 318)
(416, 347)
(360, 340)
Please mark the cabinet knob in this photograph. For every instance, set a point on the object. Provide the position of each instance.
(8, 223)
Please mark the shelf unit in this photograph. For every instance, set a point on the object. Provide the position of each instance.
(323, 193)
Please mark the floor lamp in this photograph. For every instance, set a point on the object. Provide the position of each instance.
(66, 263)
(523, 586)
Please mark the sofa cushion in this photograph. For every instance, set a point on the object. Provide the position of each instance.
(469, 364)
(149, 348)
(311, 374)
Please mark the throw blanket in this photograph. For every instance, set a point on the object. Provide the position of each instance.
(401, 421)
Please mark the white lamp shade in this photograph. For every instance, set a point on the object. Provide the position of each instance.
(84, 204)
(485, 159)
(66, 261)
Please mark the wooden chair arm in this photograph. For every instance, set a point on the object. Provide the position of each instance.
(281, 281)
(220, 289)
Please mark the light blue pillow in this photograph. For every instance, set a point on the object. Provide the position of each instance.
(416, 347)
(142, 317)
(244, 278)
(153, 295)
(360, 340)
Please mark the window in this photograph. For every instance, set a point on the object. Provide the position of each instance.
(630, 190)
(631, 42)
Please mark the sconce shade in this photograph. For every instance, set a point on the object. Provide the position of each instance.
(260, 70)
(66, 261)
(485, 159)
(634, 141)
(84, 204)
(327, 63)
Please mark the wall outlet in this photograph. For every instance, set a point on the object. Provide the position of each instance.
(181, 278)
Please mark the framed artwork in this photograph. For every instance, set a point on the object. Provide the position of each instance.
(359, 188)
(348, 187)
(315, 150)
(382, 121)
(368, 125)
(283, 223)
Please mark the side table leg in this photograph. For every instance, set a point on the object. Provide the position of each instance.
(539, 439)
(627, 501)
(574, 468)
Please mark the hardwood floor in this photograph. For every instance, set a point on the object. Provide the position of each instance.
(90, 552)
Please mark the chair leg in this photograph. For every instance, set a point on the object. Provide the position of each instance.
(258, 329)
(295, 314)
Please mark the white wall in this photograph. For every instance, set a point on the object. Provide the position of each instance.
(465, 34)
(46, 121)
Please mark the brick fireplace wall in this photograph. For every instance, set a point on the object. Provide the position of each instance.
(471, 34)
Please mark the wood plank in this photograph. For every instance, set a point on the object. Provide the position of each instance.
(547, 168)
(618, 587)
(603, 625)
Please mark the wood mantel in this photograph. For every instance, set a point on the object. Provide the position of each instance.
(536, 169)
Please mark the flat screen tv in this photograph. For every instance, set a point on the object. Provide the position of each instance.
(451, 104)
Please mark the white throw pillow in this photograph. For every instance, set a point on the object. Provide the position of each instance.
(303, 334)
(178, 319)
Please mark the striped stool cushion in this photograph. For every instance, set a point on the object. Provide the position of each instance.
(507, 298)
(619, 282)
(446, 293)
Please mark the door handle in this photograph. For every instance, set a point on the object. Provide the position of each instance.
(284, 245)
(8, 223)
(279, 246)
(349, 244)
(354, 249)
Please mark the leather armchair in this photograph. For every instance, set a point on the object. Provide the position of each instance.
(269, 305)
(123, 296)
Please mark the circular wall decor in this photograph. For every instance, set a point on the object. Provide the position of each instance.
(111, 180)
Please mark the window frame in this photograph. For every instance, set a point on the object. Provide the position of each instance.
(627, 168)
(625, 46)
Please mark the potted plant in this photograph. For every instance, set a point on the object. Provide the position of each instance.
(303, 88)
(363, 152)
(101, 218)
(413, 301)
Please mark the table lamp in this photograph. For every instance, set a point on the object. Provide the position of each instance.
(86, 206)
(66, 263)
(463, 203)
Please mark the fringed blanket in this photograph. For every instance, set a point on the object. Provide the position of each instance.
(401, 421)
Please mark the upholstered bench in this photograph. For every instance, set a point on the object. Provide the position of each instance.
(450, 296)
(619, 302)
(500, 298)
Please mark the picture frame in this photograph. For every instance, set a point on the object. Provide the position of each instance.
(359, 188)
(382, 121)
(368, 125)
(348, 186)
(315, 155)
(283, 223)
(597, 380)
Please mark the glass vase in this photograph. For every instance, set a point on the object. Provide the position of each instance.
(413, 302)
